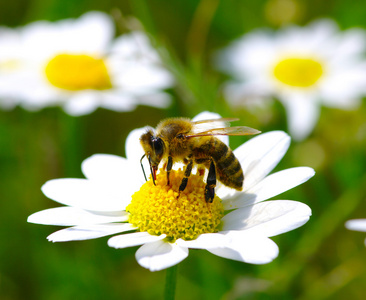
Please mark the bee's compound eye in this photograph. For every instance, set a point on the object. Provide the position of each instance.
(158, 146)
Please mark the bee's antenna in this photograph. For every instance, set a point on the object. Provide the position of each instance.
(142, 167)
(151, 171)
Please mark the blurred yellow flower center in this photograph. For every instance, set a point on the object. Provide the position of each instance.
(78, 72)
(158, 209)
(298, 72)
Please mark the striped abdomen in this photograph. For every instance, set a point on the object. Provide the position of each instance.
(228, 169)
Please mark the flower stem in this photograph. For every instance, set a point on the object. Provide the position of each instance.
(170, 283)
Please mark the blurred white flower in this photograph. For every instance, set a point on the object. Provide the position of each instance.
(357, 225)
(76, 63)
(114, 198)
(303, 67)
(11, 53)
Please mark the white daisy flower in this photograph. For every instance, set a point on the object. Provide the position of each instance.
(115, 198)
(77, 64)
(303, 67)
(357, 225)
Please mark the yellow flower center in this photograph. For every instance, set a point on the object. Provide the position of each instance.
(298, 72)
(161, 209)
(76, 72)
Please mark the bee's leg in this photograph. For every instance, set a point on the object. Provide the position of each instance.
(169, 168)
(187, 173)
(211, 183)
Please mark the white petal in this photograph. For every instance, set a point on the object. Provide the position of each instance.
(96, 30)
(248, 248)
(357, 224)
(82, 103)
(206, 241)
(349, 45)
(302, 114)
(118, 100)
(105, 167)
(89, 34)
(156, 99)
(133, 147)
(133, 239)
(143, 77)
(88, 232)
(135, 47)
(270, 186)
(344, 87)
(248, 54)
(268, 218)
(260, 155)
(88, 195)
(160, 255)
(134, 152)
(252, 94)
(69, 216)
(307, 40)
(206, 115)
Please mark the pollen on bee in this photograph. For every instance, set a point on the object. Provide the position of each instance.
(157, 209)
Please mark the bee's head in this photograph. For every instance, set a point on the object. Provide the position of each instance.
(154, 148)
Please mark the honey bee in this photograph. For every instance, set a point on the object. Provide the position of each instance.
(183, 140)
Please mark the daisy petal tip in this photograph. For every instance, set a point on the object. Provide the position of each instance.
(258, 251)
(93, 157)
(51, 186)
(133, 239)
(160, 255)
(39, 217)
(266, 259)
(112, 242)
(31, 219)
(356, 224)
(45, 186)
(50, 238)
(280, 134)
(206, 115)
(35, 219)
(307, 171)
(311, 171)
(306, 209)
(271, 253)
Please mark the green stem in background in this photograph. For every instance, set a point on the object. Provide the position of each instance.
(141, 10)
(202, 19)
(328, 285)
(202, 84)
(170, 283)
(71, 138)
(194, 85)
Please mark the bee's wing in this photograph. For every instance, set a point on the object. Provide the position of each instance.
(237, 130)
(225, 120)
(206, 125)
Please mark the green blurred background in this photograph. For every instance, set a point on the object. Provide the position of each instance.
(321, 260)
